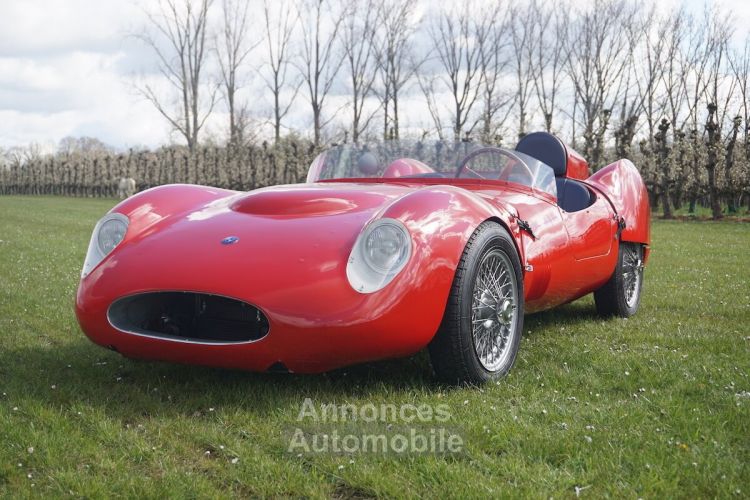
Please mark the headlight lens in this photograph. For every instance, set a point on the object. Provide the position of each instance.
(379, 254)
(385, 246)
(108, 233)
(111, 233)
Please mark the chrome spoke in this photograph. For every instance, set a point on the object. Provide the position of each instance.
(632, 274)
(494, 310)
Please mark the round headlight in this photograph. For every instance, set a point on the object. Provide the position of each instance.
(108, 233)
(379, 254)
(111, 233)
(385, 246)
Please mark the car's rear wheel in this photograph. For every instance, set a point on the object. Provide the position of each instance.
(481, 329)
(621, 295)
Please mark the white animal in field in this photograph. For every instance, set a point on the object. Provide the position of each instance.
(126, 187)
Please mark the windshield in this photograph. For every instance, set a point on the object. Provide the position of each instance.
(438, 159)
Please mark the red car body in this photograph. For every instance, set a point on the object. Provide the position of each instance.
(293, 243)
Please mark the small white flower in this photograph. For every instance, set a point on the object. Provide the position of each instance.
(588, 439)
(235, 460)
(30, 449)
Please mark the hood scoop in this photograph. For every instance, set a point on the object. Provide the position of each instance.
(307, 201)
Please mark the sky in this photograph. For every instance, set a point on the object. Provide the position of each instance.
(68, 68)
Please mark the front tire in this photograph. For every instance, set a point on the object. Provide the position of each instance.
(481, 329)
(621, 295)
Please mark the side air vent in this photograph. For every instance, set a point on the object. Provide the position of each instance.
(188, 317)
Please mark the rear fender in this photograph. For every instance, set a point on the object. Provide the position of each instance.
(623, 186)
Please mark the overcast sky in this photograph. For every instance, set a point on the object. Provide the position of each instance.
(67, 69)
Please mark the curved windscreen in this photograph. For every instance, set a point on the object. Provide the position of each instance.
(439, 160)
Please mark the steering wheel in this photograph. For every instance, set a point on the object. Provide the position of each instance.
(504, 152)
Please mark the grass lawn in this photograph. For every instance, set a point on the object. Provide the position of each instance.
(654, 406)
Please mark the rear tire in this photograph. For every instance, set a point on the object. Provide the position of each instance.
(481, 329)
(621, 295)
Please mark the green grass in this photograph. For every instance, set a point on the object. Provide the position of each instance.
(657, 405)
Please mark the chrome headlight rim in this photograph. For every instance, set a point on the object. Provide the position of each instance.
(96, 253)
(363, 274)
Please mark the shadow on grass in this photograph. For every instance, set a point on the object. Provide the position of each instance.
(569, 314)
(84, 374)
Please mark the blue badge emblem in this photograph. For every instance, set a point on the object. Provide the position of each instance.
(229, 240)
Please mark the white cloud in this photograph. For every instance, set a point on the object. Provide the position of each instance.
(65, 70)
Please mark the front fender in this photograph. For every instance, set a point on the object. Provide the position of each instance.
(153, 208)
(441, 220)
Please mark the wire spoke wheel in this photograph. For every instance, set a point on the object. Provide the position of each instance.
(621, 295)
(481, 330)
(632, 274)
(494, 311)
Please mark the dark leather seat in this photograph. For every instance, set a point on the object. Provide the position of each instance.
(572, 195)
(546, 148)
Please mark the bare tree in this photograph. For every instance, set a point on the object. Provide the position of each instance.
(358, 42)
(597, 48)
(549, 56)
(524, 39)
(395, 58)
(182, 24)
(279, 27)
(639, 81)
(451, 34)
(428, 83)
(320, 59)
(233, 47)
(492, 38)
(719, 85)
(86, 145)
(648, 63)
(739, 61)
(718, 88)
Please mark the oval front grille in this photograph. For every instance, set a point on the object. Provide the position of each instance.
(188, 317)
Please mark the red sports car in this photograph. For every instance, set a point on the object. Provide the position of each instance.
(386, 250)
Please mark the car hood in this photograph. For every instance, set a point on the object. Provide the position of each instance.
(312, 200)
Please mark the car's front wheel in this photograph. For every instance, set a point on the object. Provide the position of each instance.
(481, 329)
